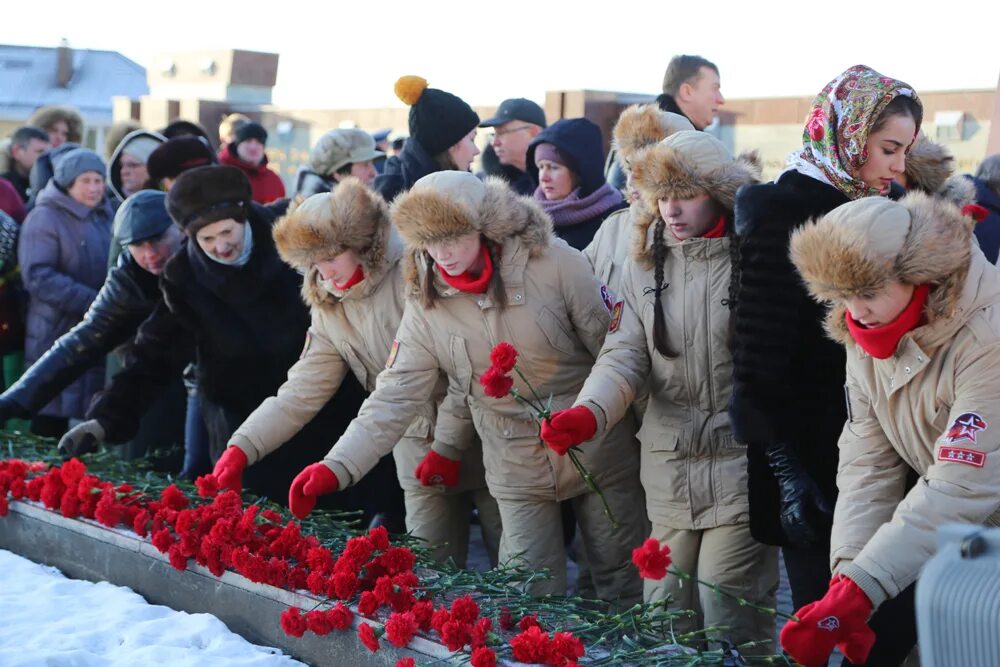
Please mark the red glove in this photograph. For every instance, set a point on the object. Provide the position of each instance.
(229, 468)
(568, 428)
(437, 469)
(840, 619)
(314, 480)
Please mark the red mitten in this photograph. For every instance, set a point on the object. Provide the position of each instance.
(314, 480)
(839, 619)
(229, 468)
(568, 428)
(437, 469)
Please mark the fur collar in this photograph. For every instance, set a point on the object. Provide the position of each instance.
(318, 294)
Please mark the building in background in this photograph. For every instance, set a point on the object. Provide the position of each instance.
(87, 79)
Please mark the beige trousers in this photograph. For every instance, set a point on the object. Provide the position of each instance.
(729, 557)
(441, 520)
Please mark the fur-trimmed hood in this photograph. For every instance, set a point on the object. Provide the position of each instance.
(449, 204)
(351, 217)
(859, 247)
(684, 165)
(642, 125)
(928, 165)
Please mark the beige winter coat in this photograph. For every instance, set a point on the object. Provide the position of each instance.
(693, 472)
(609, 248)
(933, 407)
(556, 318)
(353, 331)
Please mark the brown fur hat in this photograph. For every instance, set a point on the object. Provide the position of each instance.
(928, 165)
(46, 117)
(448, 204)
(351, 217)
(642, 125)
(857, 248)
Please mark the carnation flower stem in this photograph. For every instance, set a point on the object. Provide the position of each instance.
(743, 602)
(588, 479)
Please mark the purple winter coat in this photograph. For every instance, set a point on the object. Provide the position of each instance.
(63, 251)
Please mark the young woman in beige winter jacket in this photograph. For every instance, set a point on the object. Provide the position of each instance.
(917, 306)
(350, 255)
(638, 127)
(484, 267)
(671, 328)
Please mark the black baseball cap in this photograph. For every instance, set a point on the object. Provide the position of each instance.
(517, 108)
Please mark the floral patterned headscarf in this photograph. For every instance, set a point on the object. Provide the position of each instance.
(842, 115)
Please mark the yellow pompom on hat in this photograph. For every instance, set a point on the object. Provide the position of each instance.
(438, 119)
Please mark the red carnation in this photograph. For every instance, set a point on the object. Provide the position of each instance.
(208, 486)
(177, 558)
(400, 628)
(368, 637)
(464, 610)
(506, 619)
(504, 357)
(484, 657)
(72, 471)
(456, 635)
(481, 632)
(318, 622)
(293, 622)
(529, 622)
(368, 604)
(163, 540)
(174, 498)
(340, 617)
(379, 537)
(343, 584)
(564, 648)
(422, 612)
(495, 383)
(531, 646)
(4, 506)
(141, 523)
(651, 559)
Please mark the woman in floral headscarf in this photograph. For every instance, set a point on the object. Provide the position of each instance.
(787, 404)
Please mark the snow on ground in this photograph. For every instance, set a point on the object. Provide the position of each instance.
(51, 621)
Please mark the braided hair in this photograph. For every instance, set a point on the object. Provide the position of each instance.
(659, 319)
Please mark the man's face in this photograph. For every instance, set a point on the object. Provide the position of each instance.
(26, 156)
(701, 97)
(510, 141)
(251, 151)
(152, 254)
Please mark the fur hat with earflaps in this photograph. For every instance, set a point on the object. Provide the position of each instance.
(684, 165)
(449, 204)
(642, 125)
(351, 217)
(859, 247)
(928, 165)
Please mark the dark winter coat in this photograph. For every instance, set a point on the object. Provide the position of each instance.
(265, 184)
(988, 231)
(520, 181)
(246, 327)
(63, 253)
(127, 298)
(405, 169)
(788, 375)
(20, 183)
(581, 145)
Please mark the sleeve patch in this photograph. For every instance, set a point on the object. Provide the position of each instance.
(616, 317)
(969, 457)
(965, 427)
(606, 297)
(392, 354)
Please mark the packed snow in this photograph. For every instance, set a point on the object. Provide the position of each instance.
(49, 620)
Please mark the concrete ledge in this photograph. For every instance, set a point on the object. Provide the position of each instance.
(84, 549)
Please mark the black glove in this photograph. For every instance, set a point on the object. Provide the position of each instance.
(802, 503)
(82, 438)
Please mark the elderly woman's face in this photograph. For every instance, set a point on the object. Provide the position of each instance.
(87, 188)
(881, 308)
(222, 239)
(556, 180)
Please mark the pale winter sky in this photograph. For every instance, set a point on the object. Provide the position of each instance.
(337, 54)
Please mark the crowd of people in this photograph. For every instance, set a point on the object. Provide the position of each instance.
(803, 365)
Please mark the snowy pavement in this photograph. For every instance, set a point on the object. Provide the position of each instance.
(47, 619)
